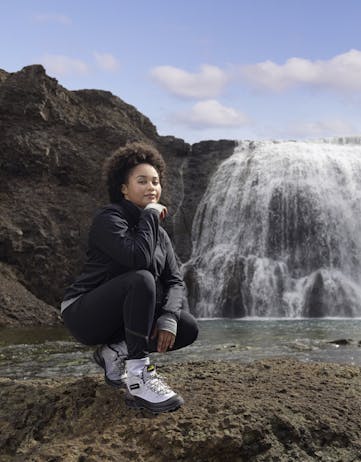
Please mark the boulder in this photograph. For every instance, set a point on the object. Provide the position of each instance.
(18, 306)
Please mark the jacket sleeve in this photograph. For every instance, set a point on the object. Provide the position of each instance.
(174, 291)
(135, 250)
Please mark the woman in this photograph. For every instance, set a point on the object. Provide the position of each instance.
(128, 298)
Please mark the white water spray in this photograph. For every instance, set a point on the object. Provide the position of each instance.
(278, 232)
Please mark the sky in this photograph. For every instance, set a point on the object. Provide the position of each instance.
(202, 69)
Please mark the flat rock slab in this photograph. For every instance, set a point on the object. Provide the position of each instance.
(274, 410)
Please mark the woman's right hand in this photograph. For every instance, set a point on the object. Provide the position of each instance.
(163, 213)
(162, 209)
(165, 339)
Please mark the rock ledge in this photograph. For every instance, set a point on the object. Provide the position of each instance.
(274, 410)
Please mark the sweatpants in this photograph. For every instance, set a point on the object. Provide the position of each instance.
(124, 308)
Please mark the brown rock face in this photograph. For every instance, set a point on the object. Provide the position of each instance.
(52, 145)
(3, 75)
(19, 306)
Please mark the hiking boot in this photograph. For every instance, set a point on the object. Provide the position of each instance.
(147, 390)
(112, 359)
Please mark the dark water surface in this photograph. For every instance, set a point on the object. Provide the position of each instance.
(49, 352)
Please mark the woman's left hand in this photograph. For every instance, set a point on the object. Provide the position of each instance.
(165, 340)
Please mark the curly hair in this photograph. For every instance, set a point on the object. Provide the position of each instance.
(117, 167)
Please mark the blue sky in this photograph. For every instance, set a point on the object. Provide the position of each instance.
(234, 69)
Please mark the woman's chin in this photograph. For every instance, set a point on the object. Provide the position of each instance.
(151, 201)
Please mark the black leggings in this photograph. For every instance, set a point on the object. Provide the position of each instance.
(124, 309)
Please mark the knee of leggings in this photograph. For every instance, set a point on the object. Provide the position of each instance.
(144, 279)
(192, 328)
(195, 332)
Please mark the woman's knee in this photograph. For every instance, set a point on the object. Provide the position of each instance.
(188, 330)
(194, 330)
(144, 280)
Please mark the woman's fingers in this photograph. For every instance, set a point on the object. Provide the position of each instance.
(163, 213)
(165, 341)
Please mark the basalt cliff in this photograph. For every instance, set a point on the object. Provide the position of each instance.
(52, 146)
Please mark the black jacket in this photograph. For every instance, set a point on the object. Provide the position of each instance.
(122, 238)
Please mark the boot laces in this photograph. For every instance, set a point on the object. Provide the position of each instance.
(156, 383)
(119, 360)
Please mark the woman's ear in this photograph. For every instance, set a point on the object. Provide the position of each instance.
(124, 189)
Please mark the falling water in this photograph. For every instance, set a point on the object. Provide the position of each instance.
(278, 232)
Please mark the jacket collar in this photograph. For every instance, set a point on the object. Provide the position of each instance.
(132, 211)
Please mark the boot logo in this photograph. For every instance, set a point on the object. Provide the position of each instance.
(134, 386)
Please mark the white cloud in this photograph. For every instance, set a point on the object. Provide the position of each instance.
(61, 65)
(342, 72)
(211, 113)
(106, 61)
(208, 83)
(59, 18)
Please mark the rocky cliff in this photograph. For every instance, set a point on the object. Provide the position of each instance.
(52, 145)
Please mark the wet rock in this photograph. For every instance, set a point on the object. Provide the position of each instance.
(342, 341)
(232, 303)
(314, 304)
(192, 281)
(297, 229)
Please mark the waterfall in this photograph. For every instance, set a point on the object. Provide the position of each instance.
(278, 232)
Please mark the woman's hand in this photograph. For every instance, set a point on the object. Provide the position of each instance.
(165, 340)
(163, 213)
(162, 209)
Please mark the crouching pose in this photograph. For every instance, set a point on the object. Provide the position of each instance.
(128, 299)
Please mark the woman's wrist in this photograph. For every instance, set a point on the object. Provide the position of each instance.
(167, 322)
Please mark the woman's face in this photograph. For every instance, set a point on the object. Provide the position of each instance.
(142, 187)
